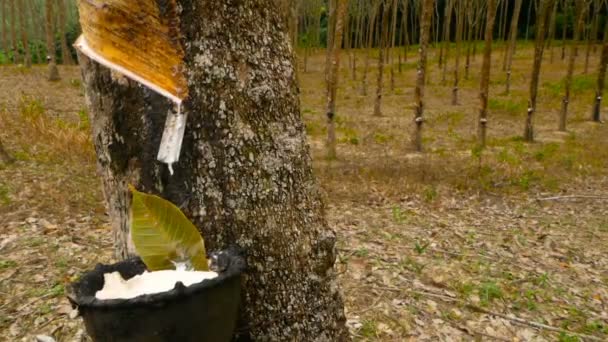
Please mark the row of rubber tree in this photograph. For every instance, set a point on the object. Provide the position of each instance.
(453, 28)
(38, 31)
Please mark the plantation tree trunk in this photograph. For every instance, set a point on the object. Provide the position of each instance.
(565, 7)
(542, 19)
(508, 62)
(581, 8)
(551, 34)
(393, 41)
(425, 26)
(592, 36)
(14, 42)
(65, 50)
(406, 38)
(34, 12)
(528, 17)
(368, 45)
(503, 18)
(5, 44)
(27, 58)
(601, 79)
(485, 74)
(446, 54)
(244, 176)
(469, 17)
(53, 72)
(459, 25)
(332, 78)
(383, 31)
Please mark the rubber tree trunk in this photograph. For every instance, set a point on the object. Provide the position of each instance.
(66, 54)
(368, 46)
(446, 53)
(16, 55)
(384, 25)
(581, 8)
(53, 72)
(601, 79)
(542, 19)
(486, 66)
(565, 7)
(244, 176)
(332, 78)
(27, 57)
(592, 36)
(508, 62)
(551, 34)
(459, 26)
(425, 27)
(5, 43)
(393, 35)
(469, 20)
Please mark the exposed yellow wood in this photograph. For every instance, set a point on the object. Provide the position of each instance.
(141, 36)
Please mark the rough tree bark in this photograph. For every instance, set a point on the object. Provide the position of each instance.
(601, 79)
(27, 57)
(66, 54)
(383, 43)
(425, 25)
(332, 78)
(244, 174)
(542, 19)
(459, 26)
(485, 74)
(508, 62)
(53, 72)
(581, 8)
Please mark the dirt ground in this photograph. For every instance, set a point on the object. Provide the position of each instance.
(452, 244)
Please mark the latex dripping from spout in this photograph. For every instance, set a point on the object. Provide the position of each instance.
(173, 136)
(175, 125)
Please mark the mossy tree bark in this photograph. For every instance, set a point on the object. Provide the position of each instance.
(542, 18)
(485, 74)
(601, 79)
(332, 77)
(53, 72)
(245, 173)
(425, 26)
(581, 8)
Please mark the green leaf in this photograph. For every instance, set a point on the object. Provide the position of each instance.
(162, 234)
